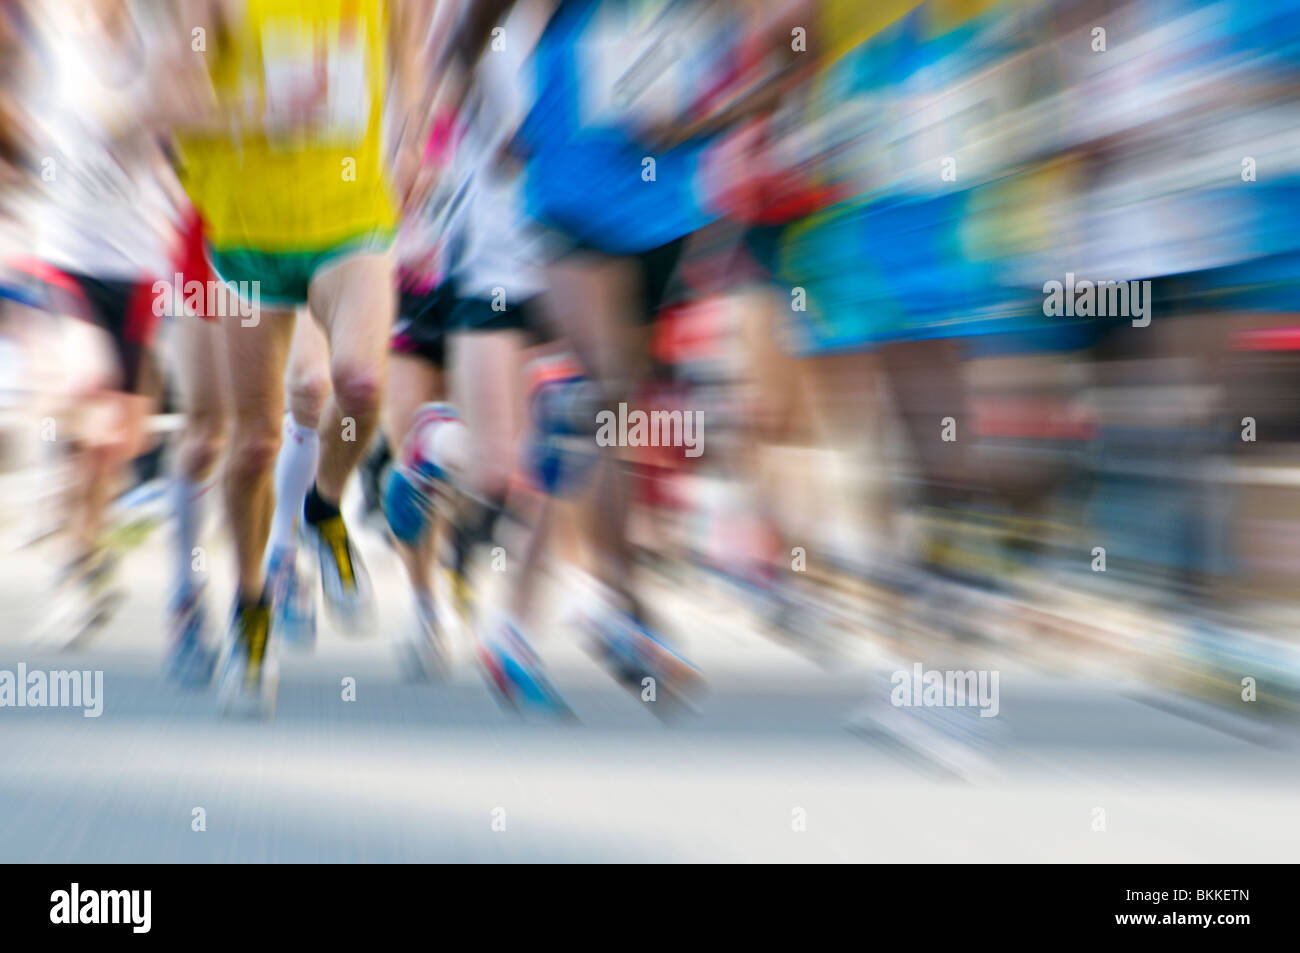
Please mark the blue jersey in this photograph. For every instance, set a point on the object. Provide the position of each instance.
(607, 72)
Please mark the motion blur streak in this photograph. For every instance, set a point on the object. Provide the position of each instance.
(884, 393)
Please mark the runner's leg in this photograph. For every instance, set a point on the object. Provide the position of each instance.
(354, 302)
(308, 385)
(256, 356)
(412, 381)
(202, 385)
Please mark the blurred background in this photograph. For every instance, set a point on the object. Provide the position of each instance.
(909, 457)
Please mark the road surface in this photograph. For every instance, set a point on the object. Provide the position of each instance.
(786, 759)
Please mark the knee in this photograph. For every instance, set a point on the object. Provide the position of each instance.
(308, 391)
(254, 447)
(357, 389)
(205, 437)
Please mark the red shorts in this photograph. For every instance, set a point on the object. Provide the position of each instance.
(191, 260)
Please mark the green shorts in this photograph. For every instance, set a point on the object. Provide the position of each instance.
(284, 277)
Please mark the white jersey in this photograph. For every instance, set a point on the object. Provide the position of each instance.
(99, 208)
(499, 248)
(426, 242)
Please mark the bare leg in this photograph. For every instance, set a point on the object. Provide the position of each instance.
(596, 298)
(486, 368)
(114, 435)
(100, 421)
(204, 398)
(308, 377)
(203, 386)
(257, 357)
(412, 381)
(354, 302)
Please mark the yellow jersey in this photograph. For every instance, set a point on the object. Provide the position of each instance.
(302, 166)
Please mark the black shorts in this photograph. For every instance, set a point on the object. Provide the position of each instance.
(423, 322)
(124, 310)
(658, 269)
(479, 314)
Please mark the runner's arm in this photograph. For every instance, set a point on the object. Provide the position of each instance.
(412, 87)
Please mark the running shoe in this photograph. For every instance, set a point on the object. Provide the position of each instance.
(190, 660)
(134, 516)
(86, 595)
(250, 676)
(293, 599)
(634, 653)
(514, 672)
(421, 650)
(343, 576)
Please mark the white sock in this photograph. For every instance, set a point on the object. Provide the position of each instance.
(295, 471)
(187, 511)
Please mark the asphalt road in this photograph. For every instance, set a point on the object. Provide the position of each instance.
(785, 759)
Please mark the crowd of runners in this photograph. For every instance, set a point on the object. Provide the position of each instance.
(445, 252)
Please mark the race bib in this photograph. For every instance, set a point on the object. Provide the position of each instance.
(636, 66)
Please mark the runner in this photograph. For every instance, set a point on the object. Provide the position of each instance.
(613, 172)
(470, 285)
(298, 208)
(200, 363)
(101, 233)
(415, 379)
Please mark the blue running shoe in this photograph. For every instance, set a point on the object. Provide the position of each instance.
(514, 672)
(293, 599)
(190, 659)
